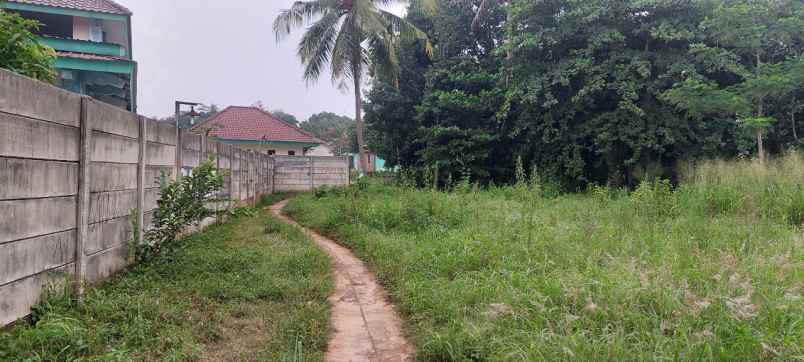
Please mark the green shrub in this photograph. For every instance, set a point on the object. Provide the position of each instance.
(181, 203)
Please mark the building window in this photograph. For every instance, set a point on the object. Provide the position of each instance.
(291, 153)
(96, 33)
(271, 152)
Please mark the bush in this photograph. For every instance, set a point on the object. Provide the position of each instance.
(181, 203)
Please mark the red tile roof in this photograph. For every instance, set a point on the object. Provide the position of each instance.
(100, 6)
(253, 124)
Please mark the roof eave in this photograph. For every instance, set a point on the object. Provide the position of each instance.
(265, 142)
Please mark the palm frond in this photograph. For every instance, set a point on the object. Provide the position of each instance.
(382, 51)
(343, 50)
(301, 13)
(429, 7)
(407, 30)
(315, 47)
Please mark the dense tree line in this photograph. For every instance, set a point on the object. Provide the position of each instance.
(592, 91)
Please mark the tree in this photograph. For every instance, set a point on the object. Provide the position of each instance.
(593, 91)
(481, 14)
(19, 50)
(748, 63)
(351, 36)
(284, 116)
(338, 131)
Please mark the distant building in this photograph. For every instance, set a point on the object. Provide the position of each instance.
(255, 129)
(375, 164)
(321, 150)
(92, 39)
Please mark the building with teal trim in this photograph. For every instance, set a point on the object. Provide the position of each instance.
(92, 39)
(255, 129)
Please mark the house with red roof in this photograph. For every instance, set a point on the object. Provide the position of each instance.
(255, 129)
(92, 39)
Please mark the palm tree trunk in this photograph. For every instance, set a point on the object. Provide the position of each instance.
(360, 127)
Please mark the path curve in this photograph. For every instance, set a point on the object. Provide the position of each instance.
(366, 326)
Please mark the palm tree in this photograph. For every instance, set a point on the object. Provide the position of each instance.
(351, 36)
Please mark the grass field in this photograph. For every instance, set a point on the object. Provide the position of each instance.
(250, 289)
(712, 269)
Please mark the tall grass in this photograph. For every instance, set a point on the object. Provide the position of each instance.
(711, 269)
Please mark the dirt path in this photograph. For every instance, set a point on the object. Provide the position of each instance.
(367, 327)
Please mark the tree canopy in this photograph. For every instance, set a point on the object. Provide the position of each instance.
(287, 117)
(338, 131)
(593, 91)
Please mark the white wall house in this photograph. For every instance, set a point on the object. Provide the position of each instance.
(254, 129)
(321, 150)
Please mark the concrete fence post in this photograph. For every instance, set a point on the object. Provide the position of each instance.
(348, 170)
(250, 191)
(202, 156)
(312, 175)
(218, 167)
(179, 153)
(84, 189)
(231, 175)
(273, 174)
(141, 161)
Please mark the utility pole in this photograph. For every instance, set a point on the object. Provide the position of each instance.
(179, 144)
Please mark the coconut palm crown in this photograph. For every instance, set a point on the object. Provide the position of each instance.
(352, 37)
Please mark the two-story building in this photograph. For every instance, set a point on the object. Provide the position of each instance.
(92, 39)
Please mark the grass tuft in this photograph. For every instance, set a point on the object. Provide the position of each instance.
(711, 269)
(232, 292)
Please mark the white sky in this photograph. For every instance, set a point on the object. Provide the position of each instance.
(224, 52)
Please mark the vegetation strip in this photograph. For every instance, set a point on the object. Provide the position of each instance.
(711, 269)
(251, 289)
(366, 324)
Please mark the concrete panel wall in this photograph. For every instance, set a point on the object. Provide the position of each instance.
(75, 173)
(292, 174)
(39, 161)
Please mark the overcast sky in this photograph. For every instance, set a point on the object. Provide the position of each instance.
(223, 52)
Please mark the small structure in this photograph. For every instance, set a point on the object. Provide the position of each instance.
(375, 164)
(323, 150)
(92, 39)
(254, 129)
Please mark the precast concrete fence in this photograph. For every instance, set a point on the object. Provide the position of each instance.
(77, 176)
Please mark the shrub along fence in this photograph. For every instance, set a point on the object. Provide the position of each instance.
(77, 176)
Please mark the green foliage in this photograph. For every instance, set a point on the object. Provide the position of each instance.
(181, 203)
(336, 130)
(350, 38)
(592, 92)
(19, 50)
(707, 270)
(286, 117)
(254, 274)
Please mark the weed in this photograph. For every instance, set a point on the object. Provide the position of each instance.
(710, 269)
(231, 292)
